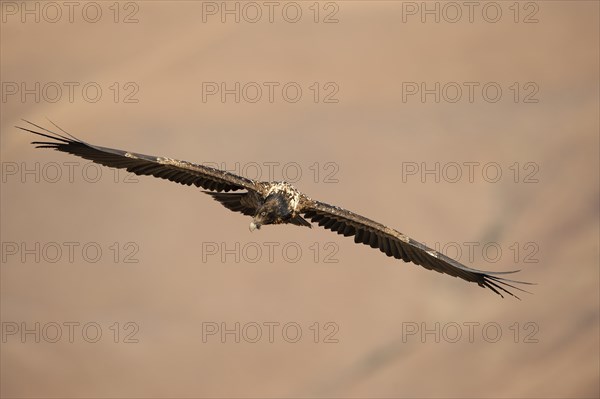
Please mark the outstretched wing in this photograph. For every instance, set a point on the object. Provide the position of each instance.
(182, 172)
(396, 244)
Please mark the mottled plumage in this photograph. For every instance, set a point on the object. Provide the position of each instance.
(276, 203)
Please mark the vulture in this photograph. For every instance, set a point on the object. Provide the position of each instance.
(276, 202)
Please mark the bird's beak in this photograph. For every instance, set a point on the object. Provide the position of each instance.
(254, 226)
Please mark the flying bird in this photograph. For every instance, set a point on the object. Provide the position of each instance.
(275, 203)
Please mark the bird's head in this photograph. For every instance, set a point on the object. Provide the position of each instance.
(263, 216)
(272, 211)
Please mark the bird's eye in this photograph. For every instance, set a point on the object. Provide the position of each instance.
(263, 213)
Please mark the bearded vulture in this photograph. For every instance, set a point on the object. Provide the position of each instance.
(275, 203)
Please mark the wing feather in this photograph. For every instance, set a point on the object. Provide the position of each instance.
(393, 243)
(181, 172)
(245, 203)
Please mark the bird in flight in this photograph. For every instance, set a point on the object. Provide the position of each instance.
(275, 203)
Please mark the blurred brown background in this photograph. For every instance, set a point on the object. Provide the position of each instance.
(153, 72)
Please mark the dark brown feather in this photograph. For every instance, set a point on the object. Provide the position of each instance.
(396, 244)
(182, 172)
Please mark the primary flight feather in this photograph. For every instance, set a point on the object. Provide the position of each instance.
(275, 203)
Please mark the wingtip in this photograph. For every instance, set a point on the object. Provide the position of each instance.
(496, 285)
